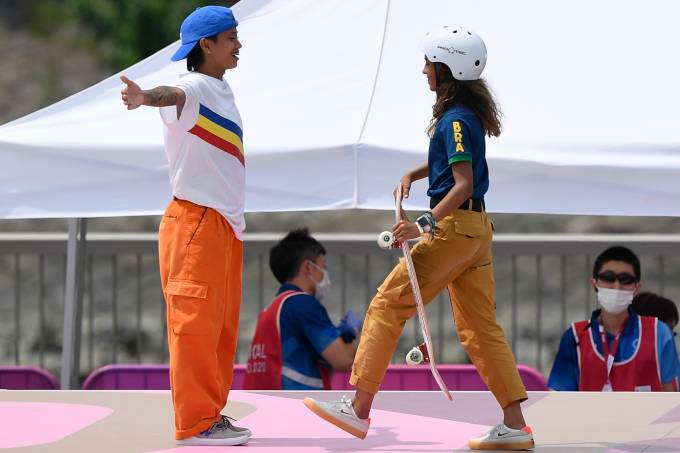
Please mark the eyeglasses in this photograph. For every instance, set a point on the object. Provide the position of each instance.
(610, 277)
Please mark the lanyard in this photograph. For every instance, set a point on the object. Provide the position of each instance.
(610, 354)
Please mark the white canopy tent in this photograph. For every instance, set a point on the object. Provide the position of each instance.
(335, 107)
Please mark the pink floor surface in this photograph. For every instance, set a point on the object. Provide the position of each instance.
(287, 425)
(29, 424)
(125, 421)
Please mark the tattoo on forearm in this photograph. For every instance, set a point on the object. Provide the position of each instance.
(162, 96)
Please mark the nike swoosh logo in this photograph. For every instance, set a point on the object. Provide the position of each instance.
(502, 434)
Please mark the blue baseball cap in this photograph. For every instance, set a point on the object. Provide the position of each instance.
(202, 23)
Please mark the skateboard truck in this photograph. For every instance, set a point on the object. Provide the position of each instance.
(417, 355)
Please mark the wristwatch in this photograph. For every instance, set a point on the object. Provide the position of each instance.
(423, 224)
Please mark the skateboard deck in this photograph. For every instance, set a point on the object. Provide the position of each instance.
(420, 307)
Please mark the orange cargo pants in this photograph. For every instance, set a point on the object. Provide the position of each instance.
(458, 258)
(201, 263)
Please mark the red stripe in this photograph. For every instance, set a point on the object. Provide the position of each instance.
(218, 142)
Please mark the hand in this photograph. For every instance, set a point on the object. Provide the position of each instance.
(403, 215)
(352, 320)
(404, 230)
(350, 327)
(131, 94)
(405, 183)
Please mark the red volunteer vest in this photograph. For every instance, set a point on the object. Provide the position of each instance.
(639, 373)
(265, 361)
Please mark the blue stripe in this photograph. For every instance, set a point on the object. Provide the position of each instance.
(222, 121)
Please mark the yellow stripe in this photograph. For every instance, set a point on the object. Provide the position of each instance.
(221, 132)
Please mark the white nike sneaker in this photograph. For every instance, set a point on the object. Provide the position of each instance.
(341, 414)
(500, 437)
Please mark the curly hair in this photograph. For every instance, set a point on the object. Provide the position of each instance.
(474, 94)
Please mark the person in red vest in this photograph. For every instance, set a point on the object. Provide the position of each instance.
(296, 346)
(616, 350)
(650, 304)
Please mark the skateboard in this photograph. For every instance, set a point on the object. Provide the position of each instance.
(386, 240)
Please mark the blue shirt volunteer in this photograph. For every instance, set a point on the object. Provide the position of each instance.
(306, 331)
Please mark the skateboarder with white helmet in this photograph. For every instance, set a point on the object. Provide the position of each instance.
(456, 250)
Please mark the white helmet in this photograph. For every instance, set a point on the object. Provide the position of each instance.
(462, 50)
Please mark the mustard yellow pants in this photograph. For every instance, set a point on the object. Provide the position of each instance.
(201, 268)
(458, 258)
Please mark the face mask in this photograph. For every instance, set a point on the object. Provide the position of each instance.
(614, 301)
(323, 288)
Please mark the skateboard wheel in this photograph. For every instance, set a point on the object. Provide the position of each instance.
(386, 240)
(414, 356)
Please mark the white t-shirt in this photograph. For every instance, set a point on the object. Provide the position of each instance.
(205, 148)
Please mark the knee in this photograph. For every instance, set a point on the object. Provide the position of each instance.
(384, 315)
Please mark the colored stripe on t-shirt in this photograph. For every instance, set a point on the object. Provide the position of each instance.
(219, 132)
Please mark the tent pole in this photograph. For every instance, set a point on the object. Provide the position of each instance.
(73, 302)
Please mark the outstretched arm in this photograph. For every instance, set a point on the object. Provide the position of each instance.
(163, 96)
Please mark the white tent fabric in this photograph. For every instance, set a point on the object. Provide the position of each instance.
(335, 107)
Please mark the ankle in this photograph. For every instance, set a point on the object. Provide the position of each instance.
(358, 411)
(514, 421)
(513, 417)
(515, 425)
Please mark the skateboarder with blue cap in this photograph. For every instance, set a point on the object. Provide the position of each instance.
(200, 234)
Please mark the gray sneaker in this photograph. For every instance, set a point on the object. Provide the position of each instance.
(238, 429)
(222, 432)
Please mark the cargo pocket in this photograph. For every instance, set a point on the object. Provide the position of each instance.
(189, 308)
(468, 228)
